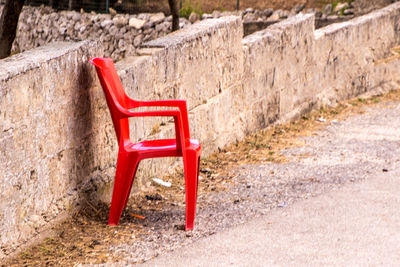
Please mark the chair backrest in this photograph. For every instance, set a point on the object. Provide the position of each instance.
(115, 94)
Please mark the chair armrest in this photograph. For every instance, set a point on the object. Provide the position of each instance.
(157, 113)
(162, 103)
(181, 104)
(179, 125)
(126, 113)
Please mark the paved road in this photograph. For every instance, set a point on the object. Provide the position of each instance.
(356, 224)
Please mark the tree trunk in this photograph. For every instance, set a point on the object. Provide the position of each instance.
(173, 7)
(8, 25)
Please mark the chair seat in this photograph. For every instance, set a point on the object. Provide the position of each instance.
(169, 144)
(163, 147)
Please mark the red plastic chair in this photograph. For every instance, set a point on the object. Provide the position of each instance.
(130, 154)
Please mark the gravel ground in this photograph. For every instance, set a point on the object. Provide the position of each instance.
(345, 152)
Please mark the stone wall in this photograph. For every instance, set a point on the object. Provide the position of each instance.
(349, 54)
(279, 64)
(290, 68)
(50, 109)
(57, 142)
(120, 34)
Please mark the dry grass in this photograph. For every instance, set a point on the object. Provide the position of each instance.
(264, 146)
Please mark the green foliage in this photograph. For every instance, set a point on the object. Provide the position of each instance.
(188, 8)
(334, 4)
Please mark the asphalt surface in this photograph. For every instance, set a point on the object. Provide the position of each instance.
(338, 206)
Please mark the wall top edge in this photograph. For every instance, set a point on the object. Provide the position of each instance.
(299, 18)
(195, 31)
(277, 28)
(335, 27)
(31, 59)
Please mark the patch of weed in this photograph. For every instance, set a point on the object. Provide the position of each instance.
(188, 8)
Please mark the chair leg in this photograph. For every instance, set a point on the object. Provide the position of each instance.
(130, 186)
(198, 173)
(124, 176)
(191, 166)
